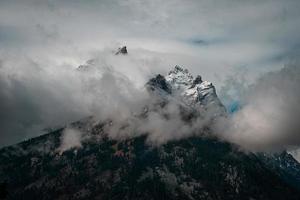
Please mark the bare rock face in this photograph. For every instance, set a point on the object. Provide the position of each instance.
(122, 50)
(197, 80)
(159, 82)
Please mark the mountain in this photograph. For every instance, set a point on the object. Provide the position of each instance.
(195, 167)
(191, 92)
(122, 50)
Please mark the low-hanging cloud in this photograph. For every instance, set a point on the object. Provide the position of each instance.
(268, 119)
(162, 124)
(71, 138)
(37, 96)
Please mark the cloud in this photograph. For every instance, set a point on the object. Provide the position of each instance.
(269, 117)
(71, 138)
(35, 96)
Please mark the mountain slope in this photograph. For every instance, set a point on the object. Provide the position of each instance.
(132, 168)
(193, 168)
(285, 165)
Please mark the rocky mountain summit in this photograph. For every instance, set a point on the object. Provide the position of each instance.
(122, 50)
(101, 167)
(193, 92)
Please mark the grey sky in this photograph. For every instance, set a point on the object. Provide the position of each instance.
(251, 34)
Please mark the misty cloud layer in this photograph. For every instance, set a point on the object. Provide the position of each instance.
(269, 116)
(71, 138)
(34, 97)
(42, 42)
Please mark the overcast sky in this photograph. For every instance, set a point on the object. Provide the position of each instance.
(209, 37)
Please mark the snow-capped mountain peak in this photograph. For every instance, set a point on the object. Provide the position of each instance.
(179, 83)
(179, 78)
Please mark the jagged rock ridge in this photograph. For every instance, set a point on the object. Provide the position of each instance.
(193, 92)
(122, 50)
